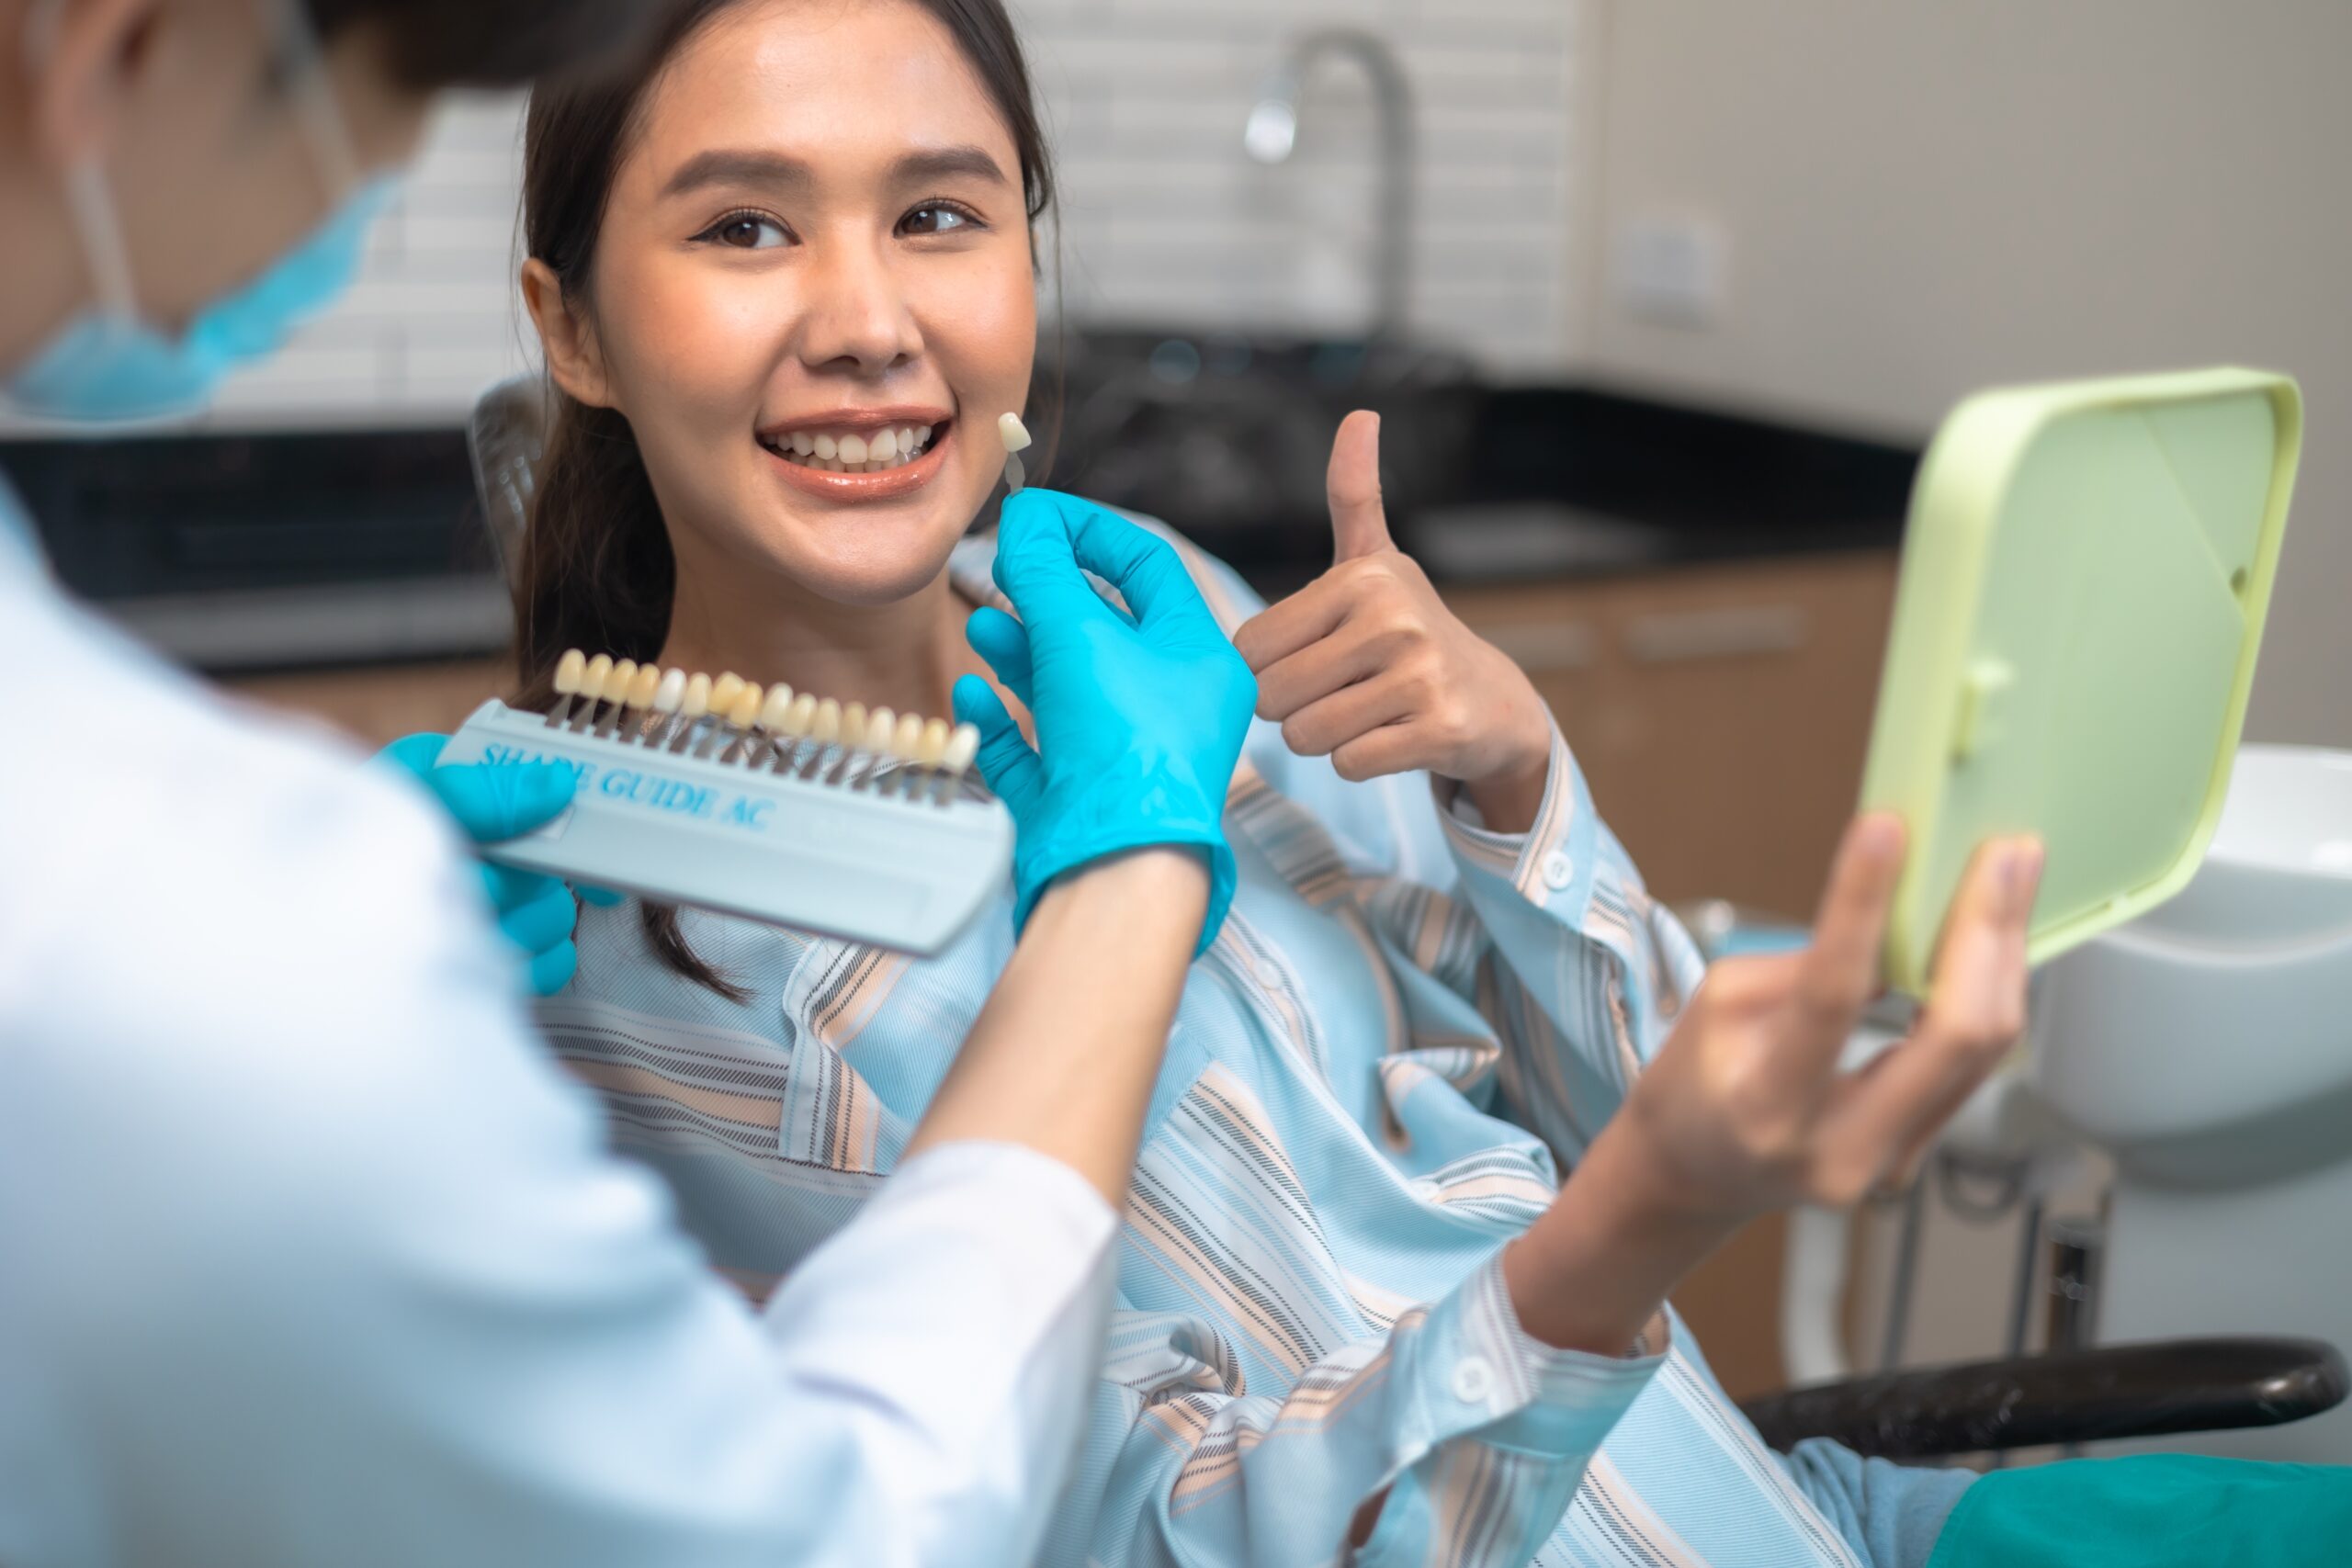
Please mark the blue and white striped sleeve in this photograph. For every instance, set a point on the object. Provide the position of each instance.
(1586, 972)
(1465, 1435)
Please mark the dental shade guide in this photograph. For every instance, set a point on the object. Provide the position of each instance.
(771, 805)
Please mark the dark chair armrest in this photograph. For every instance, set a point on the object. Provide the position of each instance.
(2068, 1396)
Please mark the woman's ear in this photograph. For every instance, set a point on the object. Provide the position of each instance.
(566, 339)
(81, 62)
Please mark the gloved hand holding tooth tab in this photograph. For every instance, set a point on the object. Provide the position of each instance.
(1139, 718)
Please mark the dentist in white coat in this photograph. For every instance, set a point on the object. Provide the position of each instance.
(306, 1254)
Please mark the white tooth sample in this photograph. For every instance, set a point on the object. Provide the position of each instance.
(744, 710)
(724, 691)
(697, 701)
(825, 723)
(569, 670)
(852, 448)
(592, 679)
(1013, 433)
(1017, 475)
(803, 444)
(934, 745)
(617, 681)
(824, 447)
(802, 715)
(880, 728)
(883, 447)
(643, 688)
(852, 724)
(773, 710)
(962, 746)
(906, 741)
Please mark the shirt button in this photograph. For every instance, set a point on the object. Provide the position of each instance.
(1472, 1380)
(1425, 1189)
(1558, 870)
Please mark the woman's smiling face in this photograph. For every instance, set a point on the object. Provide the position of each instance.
(815, 251)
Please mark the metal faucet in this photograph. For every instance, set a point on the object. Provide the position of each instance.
(1272, 132)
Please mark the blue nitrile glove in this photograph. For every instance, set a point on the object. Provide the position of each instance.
(494, 801)
(1140, 718)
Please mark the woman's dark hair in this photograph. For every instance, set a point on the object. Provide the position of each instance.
(488, 43)
(596, 570)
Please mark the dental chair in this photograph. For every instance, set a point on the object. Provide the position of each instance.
(2206, 1048)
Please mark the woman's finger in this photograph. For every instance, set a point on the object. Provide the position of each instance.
(1352, 652)
(1391, 749)
(1974, 1016)
(1839, 972)
(1306, 617)
(1330, 722)
(1351, 486)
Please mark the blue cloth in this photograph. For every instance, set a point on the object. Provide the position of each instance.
(1895, 1512)
(1140, 713)
(2153, 1511)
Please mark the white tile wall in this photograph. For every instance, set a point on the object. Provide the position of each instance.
(1163, 216)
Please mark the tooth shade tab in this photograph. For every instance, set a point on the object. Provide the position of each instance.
(646, 684)
(880, 728)
(617, 681)
(963, 746)
(907, 739)
(933, 746)
(825, 723)
(852, 724)
(777, 704)
(1016, 476)
(802, 714)
(744, 710)
(1013, 433)
(569, 671)
(592, 679)
(697, 701)
(671, 693)
(724, 691)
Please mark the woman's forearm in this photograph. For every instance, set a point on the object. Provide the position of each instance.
(1595, 1269)
(1066, 1052)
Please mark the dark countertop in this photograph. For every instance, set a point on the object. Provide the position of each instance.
(243, 552)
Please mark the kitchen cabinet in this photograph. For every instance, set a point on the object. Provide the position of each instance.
(1721, 716)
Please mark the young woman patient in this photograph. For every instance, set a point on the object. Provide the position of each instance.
(785, 275)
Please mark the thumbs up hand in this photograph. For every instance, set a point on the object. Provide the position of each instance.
(1367, 666)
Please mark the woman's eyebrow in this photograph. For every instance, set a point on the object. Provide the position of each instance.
(723, 167)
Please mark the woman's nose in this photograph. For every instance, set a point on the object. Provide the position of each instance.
(856, 315)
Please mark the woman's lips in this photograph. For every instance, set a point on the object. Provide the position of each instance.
(888, 485)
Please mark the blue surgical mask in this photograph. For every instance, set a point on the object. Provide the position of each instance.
(113, 364)
(110, 364)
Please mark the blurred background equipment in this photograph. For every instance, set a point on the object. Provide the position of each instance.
(1662, 299)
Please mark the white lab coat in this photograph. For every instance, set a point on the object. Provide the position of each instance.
(308, 1253)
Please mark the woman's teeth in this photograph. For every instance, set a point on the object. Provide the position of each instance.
(873, 452)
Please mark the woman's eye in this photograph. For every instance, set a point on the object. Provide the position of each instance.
(932, 220)
(746, 231)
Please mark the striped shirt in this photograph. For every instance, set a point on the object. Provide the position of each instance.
(1407, 1027)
